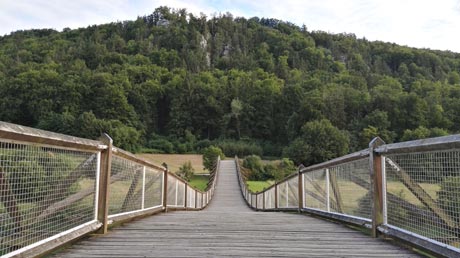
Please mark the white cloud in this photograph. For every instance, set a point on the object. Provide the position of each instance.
(417, 23)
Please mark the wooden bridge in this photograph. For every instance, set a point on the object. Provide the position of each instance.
(228, 227)
(60, 195)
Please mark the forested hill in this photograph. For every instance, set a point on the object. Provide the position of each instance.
(171, 81)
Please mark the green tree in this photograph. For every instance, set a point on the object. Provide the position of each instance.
(319, 141)
(210, 155)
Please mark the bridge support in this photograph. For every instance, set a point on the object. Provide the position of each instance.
(301, 191)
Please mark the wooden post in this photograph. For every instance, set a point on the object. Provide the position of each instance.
(165, 190)
(257, 201)
(276, 195)
(300, 197)
(196, 199)
(185, 196)
(376, 175)
(104, 183)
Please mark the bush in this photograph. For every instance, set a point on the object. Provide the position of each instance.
(186, 171)
(161, 144)
(239, 148)
(254, 164)
(210, 155)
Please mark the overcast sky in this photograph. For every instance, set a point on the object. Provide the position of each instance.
(431, 24)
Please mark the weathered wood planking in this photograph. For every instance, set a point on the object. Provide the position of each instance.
(229, 228)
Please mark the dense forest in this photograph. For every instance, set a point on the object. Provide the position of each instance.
(176, 82)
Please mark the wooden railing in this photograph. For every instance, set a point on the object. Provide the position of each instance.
(409, 191)
(56, 188)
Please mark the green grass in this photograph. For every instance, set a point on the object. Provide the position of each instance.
(199, 182)
(256, 186)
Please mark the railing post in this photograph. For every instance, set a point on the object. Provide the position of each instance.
(301, 191)
(104, 182)
(276, 195)
(165, 190)
(143, 189)
(328, 197)
(377, 182)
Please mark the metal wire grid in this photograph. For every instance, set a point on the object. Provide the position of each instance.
(423, 194)
(315, 190)
(176, 192)
(43, 191)
(270, 198)
(153, 196)
(288, 193)
(293, 192)
(350, 188)
(199, 203)
(126, 180)
(260, 201)
(190, 197)
(253, 200)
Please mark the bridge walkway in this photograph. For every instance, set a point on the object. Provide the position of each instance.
(229, 228)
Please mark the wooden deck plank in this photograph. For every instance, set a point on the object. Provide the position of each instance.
(229, 228)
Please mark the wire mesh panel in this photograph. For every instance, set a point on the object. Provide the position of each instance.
(153, 188)
(199, 200)
(270, 198)
(293, 192)
(283, 195)
(176, 192)
(43, 191)
(315, 189)
(126, 179)
(190, 197)
(260, 201)
(350, 188)
(423, 194)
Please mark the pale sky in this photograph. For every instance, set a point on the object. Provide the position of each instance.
(433, 24)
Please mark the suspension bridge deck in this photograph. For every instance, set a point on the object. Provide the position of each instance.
(229, 228)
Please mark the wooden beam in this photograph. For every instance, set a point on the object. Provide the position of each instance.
(165, 190)
(104, 180)
(301, 191)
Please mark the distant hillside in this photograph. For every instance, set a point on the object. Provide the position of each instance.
(171, 80)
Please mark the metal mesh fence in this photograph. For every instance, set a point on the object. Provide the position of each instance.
(350, 188)
(288, 193)
(260, 201)
(423, 194)
(270, 198)
(253, 200)
(176, 192)
(199, 203)
(315, 190)
(43, 191)
(293, 192)
(190, 197)
(125, 193)
(153, 188)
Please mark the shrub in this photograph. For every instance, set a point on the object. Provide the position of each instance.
(186, 171)
(161, 144)
(239, 148)
(210, 155)
(254, 164)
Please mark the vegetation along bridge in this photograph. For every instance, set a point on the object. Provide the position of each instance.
(56, 189)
